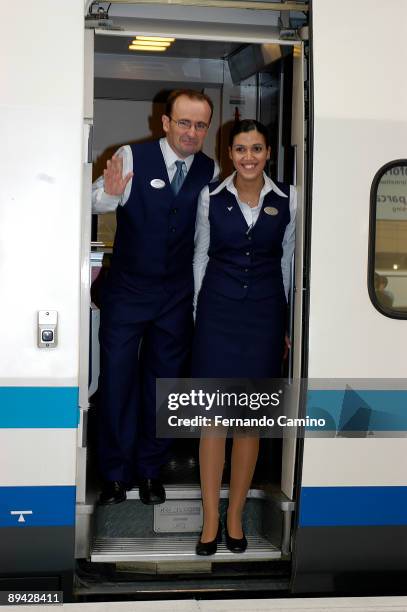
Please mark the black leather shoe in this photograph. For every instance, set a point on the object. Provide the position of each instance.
(235, 545)
(209, 548)
(113, 492)
(151, 491)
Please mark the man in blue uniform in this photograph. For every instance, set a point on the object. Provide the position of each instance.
(146, 314)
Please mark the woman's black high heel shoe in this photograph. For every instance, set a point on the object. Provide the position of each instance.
(209, 548)
(235, 545)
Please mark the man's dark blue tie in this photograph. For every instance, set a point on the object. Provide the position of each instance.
(178, 177)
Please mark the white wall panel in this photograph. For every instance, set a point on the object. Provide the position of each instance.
(37, 457)
(353, 462)
(360, 123)
(41, 52)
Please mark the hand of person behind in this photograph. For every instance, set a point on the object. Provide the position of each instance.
(114, 182)
(287, 346)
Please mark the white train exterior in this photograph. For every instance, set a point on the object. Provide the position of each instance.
(350, 493)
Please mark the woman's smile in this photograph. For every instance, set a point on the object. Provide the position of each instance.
(249, 153)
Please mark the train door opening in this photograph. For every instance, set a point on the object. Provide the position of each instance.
(263, 78)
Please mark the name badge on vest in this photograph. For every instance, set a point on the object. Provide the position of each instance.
(270, 210)
(157, 183)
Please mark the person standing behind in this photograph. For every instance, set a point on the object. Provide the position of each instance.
(243, 248)
(146, 312)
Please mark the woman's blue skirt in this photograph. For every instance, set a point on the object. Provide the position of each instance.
(238, 338)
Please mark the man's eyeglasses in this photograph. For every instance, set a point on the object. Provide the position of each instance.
(186, 124)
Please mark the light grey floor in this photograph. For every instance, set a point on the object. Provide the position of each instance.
(334, 604)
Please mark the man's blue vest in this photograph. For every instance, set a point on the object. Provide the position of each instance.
(154, 240)
(244, 262)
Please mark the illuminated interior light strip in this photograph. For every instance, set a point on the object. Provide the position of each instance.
(146, 48)
(147, 43)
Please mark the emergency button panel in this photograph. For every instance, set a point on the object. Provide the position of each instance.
(47, 328)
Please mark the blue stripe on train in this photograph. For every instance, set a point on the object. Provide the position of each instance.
(336, 506)
(39, 407)
(360, 410)
(37, 506)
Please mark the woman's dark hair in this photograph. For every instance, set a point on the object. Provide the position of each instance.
(248, 125)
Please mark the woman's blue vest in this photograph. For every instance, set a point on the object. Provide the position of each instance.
(243, 262)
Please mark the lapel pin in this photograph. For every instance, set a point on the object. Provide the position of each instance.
(229, 208)
(157, 183)
(270, 210)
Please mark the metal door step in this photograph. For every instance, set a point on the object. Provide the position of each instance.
(194, 492)
(176, 548)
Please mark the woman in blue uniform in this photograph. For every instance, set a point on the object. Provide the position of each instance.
(243, 248)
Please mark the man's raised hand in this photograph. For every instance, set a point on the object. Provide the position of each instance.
(114, 181)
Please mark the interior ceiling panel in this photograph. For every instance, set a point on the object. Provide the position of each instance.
(179, 48)
(121, 89)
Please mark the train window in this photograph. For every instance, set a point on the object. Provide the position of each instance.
(388, 240)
